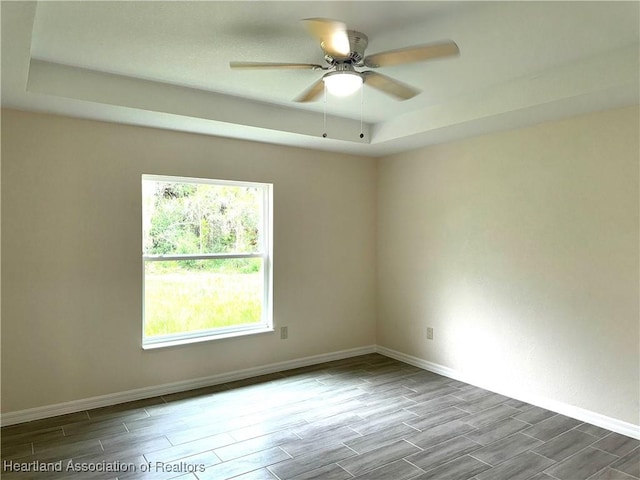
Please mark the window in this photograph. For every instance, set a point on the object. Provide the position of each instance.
(207, 259)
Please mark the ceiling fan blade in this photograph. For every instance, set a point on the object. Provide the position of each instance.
(331, 34)
(418, 53)
(276, 66)
(390, 86)
(312, 93)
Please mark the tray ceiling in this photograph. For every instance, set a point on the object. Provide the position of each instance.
(166, 64)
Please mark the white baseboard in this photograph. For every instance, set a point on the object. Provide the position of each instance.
(20, 416)
(613, 424)
(12, 418)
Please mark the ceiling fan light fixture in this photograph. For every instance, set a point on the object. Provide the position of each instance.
(342, 84)
(344, 50)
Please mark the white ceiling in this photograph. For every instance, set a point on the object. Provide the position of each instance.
(166, 64)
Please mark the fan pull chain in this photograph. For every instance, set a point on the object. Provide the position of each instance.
(361, 109)
(324, 135)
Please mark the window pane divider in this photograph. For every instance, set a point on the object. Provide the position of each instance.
(200, 256)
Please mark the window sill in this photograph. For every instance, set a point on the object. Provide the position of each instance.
(206, 338)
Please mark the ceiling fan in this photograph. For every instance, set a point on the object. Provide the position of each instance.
(344, 53)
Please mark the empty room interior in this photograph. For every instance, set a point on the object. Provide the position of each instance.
(320, 240)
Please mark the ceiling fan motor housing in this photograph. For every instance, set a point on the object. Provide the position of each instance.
(358, 42)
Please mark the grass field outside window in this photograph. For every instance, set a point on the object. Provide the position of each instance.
(207, 259)
(179, 299)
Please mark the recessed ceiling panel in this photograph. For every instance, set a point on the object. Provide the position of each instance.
(504, 47)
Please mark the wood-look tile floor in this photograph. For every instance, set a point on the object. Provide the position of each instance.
(367, 417)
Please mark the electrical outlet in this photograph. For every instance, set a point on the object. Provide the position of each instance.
(284, 333)
(429, 333)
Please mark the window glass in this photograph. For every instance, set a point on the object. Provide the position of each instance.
(206, 254)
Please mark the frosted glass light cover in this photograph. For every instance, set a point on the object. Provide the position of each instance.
(343, 84)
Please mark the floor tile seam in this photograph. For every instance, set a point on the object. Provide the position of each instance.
(351, 450)
(517, 432)
(379, 404)
(637, 449)
(607, 435)
(422, 470)
(410, 426)
(453, 460)
(597, 439)
(115, 414)
(618, 470)
(556, 462)
(567, 459)
(520, 412)
(552, 476)
(484, 424)
(366, 472)
(466, 411)
(415, 404)
(347, 470)
(22, 438)
(461, 419)
(245, 472)
(489, 408)
(166, 395)
(584, 448)
(520, 420)
(316, 468)
(524, 432)
(206, 466)
(605, 468)
(483, 396)
(291, 457)
(211, 450)
(272, 472)
(385, 464)
(406, 409)
(411, 390)
(618, 456)
(413, 444)
(461, 409)
(526, 407)
(354, 431)
(397, 440)
(527, 425)
(347, 458)
(479, 459)
(371, 377)
(555, 436)
(587, 433)
(432, 394)
(614, 433)
(584, 424)
(544, 442)
(310, 421)
(480, 446)
(341, 467)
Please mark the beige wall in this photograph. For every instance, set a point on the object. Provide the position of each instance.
(520, 249)
(71, 266)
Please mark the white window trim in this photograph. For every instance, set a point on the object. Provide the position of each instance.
(266, 325)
